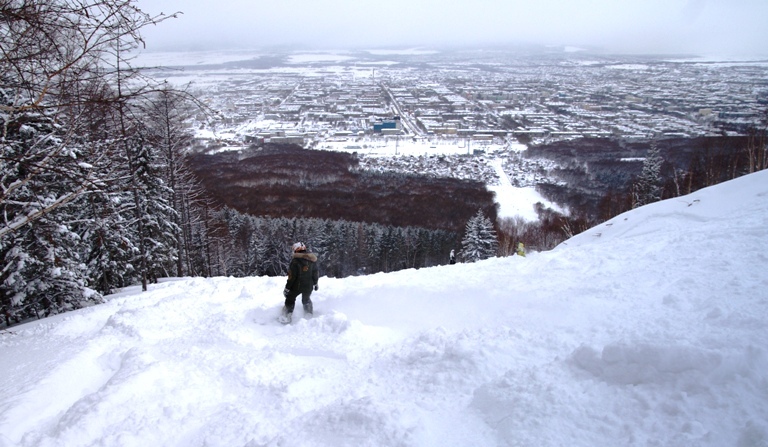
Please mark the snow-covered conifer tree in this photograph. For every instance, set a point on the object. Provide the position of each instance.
(166, 131)
(41, 176)
(648, 187)
(106, 243)
(480, 240)
(159, 226)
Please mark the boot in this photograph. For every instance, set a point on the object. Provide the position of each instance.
(308, 310)
(285, 316)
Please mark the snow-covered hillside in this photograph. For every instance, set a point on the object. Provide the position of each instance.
(647, 330)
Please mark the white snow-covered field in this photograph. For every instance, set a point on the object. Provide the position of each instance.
(320, 56)
(192, 58)
(649, 330)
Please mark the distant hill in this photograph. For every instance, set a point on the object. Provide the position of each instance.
(288, 181)
(590, 168)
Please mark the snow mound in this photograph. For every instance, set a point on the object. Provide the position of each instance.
(644, 364)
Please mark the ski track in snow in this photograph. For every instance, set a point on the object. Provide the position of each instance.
(649, 329)
(503, 177)
(517, 202)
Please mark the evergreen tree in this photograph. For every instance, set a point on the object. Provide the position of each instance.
(159, 231)
(324, 243)
(41, 179)
(167, 113)
(648, 186)
(275, 252)
(480, 240)
(107, 248)
(373, 247)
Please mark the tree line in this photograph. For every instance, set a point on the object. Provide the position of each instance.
(94, 191)
(259, 245)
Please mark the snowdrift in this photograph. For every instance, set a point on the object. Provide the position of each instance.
(649, 329)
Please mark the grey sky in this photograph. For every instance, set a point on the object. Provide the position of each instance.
(710, 27)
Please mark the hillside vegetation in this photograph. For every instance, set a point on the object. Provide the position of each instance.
(595, 175)
(287, 181)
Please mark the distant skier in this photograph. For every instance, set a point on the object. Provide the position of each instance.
(520, 249)
(453, 258)
(302, 279)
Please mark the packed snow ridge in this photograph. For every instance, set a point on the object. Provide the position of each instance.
(649, 329)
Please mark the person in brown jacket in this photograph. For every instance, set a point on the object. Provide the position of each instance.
(302, 279)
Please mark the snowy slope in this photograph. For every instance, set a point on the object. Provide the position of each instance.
(647, 330)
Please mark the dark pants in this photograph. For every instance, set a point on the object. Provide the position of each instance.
(290, 300)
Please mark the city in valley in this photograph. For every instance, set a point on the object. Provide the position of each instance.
(342, 99)
(431, 105)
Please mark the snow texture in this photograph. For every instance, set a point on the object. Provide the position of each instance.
(648, 330)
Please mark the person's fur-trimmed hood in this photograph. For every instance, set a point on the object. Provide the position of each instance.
(308, 256)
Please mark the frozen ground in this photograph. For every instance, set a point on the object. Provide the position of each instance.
(649, 330)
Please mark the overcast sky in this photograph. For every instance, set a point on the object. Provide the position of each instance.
(707, 27)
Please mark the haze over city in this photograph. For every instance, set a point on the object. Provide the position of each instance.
(705, 27)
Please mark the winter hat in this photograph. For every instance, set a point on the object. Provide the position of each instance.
(298, 246)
